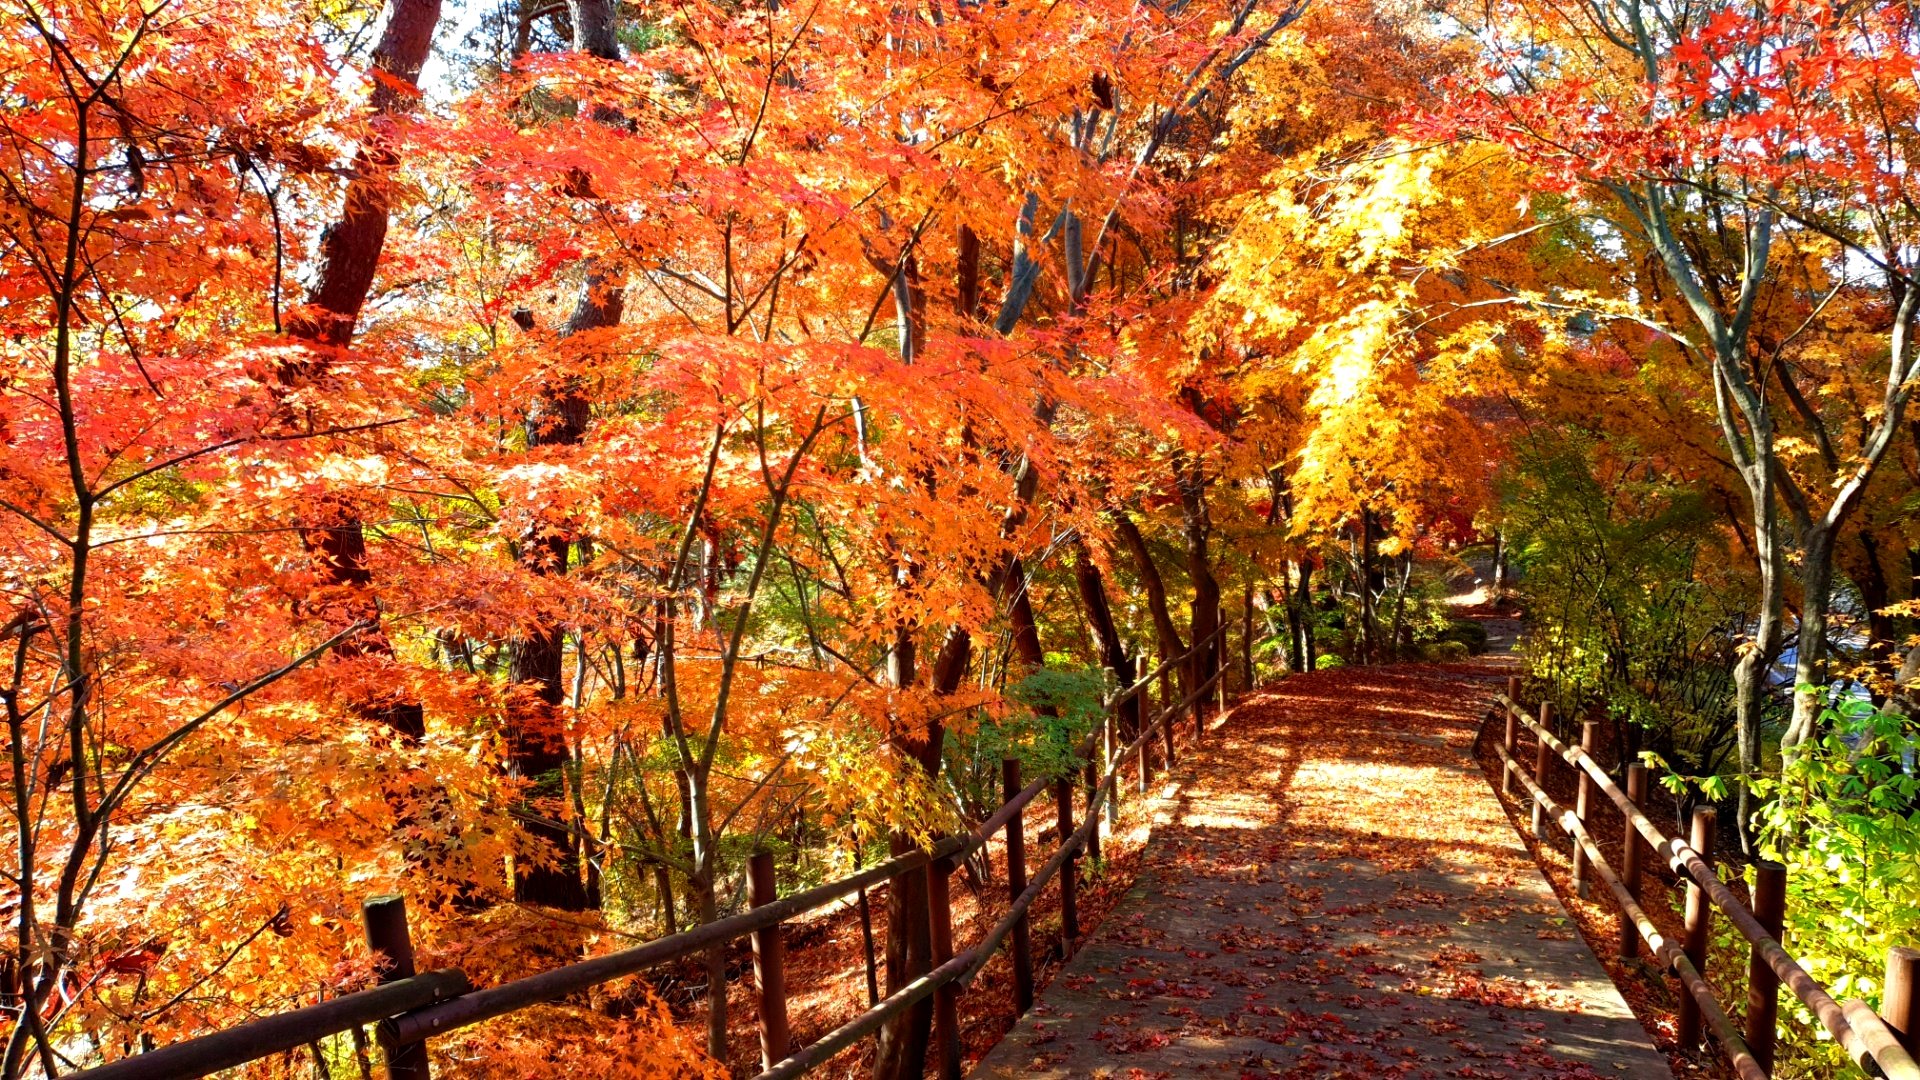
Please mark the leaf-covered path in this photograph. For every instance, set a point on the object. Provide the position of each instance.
(1333, 890)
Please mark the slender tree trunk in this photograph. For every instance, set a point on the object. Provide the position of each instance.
(1246, 630)
(1755, 662)
(1284, 602)
(1020, 619)
(1875, 595)
(707, 902)
(536, 745)
(900, 1047)
(1205, 617)
(1107, 640)
(1166, 636)
(1371, 585)
(1300, 613)
(1809, 667)
(1400, 606)
(538, 753)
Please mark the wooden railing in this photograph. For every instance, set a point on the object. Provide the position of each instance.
(407, 1009)
(1877, 1044)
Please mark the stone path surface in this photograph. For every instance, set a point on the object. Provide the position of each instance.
(1333, 891)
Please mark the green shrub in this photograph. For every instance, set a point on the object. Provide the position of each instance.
(1467, 632)
(1444, 652)
(1842, 819)
(1630, 593)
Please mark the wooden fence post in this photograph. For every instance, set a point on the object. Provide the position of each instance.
(1513, 733)
(1108, 728)
(946, 999)
(1199, 704)
(1540, 759)
(1017, 884)
(1900, 997)
(1763, 986)
(1166, 731)
(866, 940)
(1632, 846)
(1246, 638)
(1699, 924)
(1220, 664)
(1146, 767)
(769, 965)
(385, 918)
(1069, 915)
(1090, 780)
(1589, 732)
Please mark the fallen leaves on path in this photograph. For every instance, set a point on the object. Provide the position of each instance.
(1333, 891)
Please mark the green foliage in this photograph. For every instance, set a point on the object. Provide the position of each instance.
(1842, 818)
(1052, 711)
(1709, 788)
(1056, 709)
(1631, 605)
(1328, 661)
(1467, 632)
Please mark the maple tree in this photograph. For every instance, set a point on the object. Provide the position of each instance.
(1745, 154)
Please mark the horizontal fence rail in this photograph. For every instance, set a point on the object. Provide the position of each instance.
(408, 1009)
(1867, 1037)
(286, 1031)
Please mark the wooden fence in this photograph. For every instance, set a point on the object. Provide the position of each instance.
(1878, 1044)
(408, 1008)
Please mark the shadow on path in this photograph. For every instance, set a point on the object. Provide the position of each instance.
(1333, 891)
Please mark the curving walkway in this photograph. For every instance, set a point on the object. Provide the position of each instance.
(1334, 891)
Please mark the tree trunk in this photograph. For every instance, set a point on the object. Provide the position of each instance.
(707, 903)
(1246, 640)
(1167, 637)
(349, 255)
(1300, 615)
(1809, 667)
(1400, 607)
(1205, 618)
(1020, 619)
(1755, 661)
(1371, 584)
(1106, 635)
(536, 744)
(1875, 595)
(900, 1047)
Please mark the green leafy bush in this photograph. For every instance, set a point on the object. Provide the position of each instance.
(1632, 601)
(1842, 819)
(1052, 709)
(1467, 632)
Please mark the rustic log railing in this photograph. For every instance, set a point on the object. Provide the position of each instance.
(1879, 1045)
(408, 1008)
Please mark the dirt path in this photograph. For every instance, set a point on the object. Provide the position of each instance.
(1334, 891)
